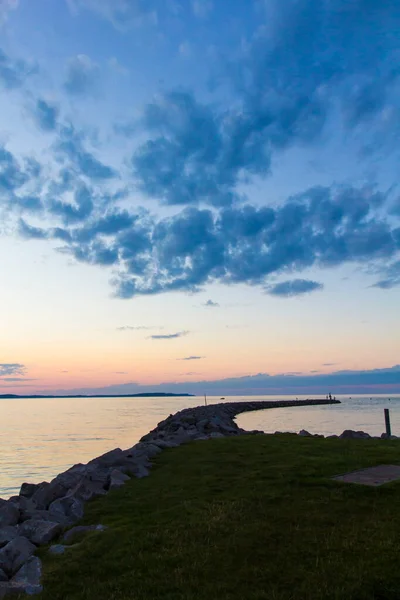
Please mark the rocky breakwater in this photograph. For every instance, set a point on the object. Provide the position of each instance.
(43, 512)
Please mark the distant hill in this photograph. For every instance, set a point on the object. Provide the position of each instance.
(144, 395)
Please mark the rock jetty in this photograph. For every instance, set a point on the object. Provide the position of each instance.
(43, 512)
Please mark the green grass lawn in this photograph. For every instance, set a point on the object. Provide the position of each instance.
(249, 517)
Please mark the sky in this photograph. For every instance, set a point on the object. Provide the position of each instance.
(199, 195)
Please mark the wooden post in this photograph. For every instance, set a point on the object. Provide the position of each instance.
(205, 399)
(387, 422)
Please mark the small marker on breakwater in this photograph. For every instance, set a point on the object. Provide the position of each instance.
(387, 422)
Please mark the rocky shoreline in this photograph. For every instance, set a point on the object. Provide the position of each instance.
(45, 511)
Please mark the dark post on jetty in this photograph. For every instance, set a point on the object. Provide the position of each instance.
(387, 422)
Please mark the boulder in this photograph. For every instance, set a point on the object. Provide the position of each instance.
(117, 479)
(15, 554)
(3, 576)
(7, 534)
(28, 489)
(349, 434)
(66, 510)
(109, 459)
(164, 444)
(9, 513)
(305, 433)
(216, 434)
(39, 532)
(86, 490)
(41, 515)
(29, 575)
(76, 533)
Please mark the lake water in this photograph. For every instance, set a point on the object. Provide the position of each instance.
(39, 438)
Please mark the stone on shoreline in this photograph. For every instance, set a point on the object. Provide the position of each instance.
(39, 532)
(9, 513)
(7, 534)
(67, 510)
(349, 434)
(15, 554)
(29, 575)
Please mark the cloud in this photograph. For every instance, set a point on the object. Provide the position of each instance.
(137, 328)
(202, 8)
(14, 72)
(70, 147)
(191, 358)
(391, 277)
(116, 66)
(122, 14)
(29, 232)
(5, 7)
(286, 91)
(121, 372)
(295, 287)
(170, 336)
(328, 364)
(370, 382)
(12, 369)
(211, 304)
(10, 379)
(45, 115)
(82, 75)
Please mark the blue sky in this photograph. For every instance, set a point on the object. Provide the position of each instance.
(198, 179)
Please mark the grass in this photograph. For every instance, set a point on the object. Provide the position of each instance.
(253, 517)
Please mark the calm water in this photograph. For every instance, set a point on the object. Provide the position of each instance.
(40, 438)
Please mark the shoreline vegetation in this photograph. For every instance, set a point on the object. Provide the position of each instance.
(286, 464)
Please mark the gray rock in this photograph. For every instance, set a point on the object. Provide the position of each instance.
(109, 459)
(164, 444)
(29, 575)
(117, 479)
(3, 576)
(66, 510)
(28, 489)
(7, 534)
(9, 513)
(77, 532)
(87, 489)
(385, 436)
(304, 433)
(41, 515)
(15, 554)
(349, 434)
(216, 434)
(331, 437)
(57, 549)
(39, 532)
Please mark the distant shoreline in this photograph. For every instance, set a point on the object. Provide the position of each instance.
(144, 395)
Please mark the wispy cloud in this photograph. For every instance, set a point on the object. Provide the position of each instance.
(191, 358)
(82, 75)
(295, 287)
(169, 336)
(12, 369)
(120, 372)
(211, 304)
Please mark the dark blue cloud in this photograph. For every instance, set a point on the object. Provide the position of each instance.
(31, 233)
(12, 175)
(70, 147)
(45, 115)
(294, 287)
(13, 73)
(79, 211)
(12, 369)
(169, 336)
(82, 75)
(391, 277)
(313, 59)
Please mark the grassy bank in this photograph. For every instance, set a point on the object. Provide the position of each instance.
(253, 517)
